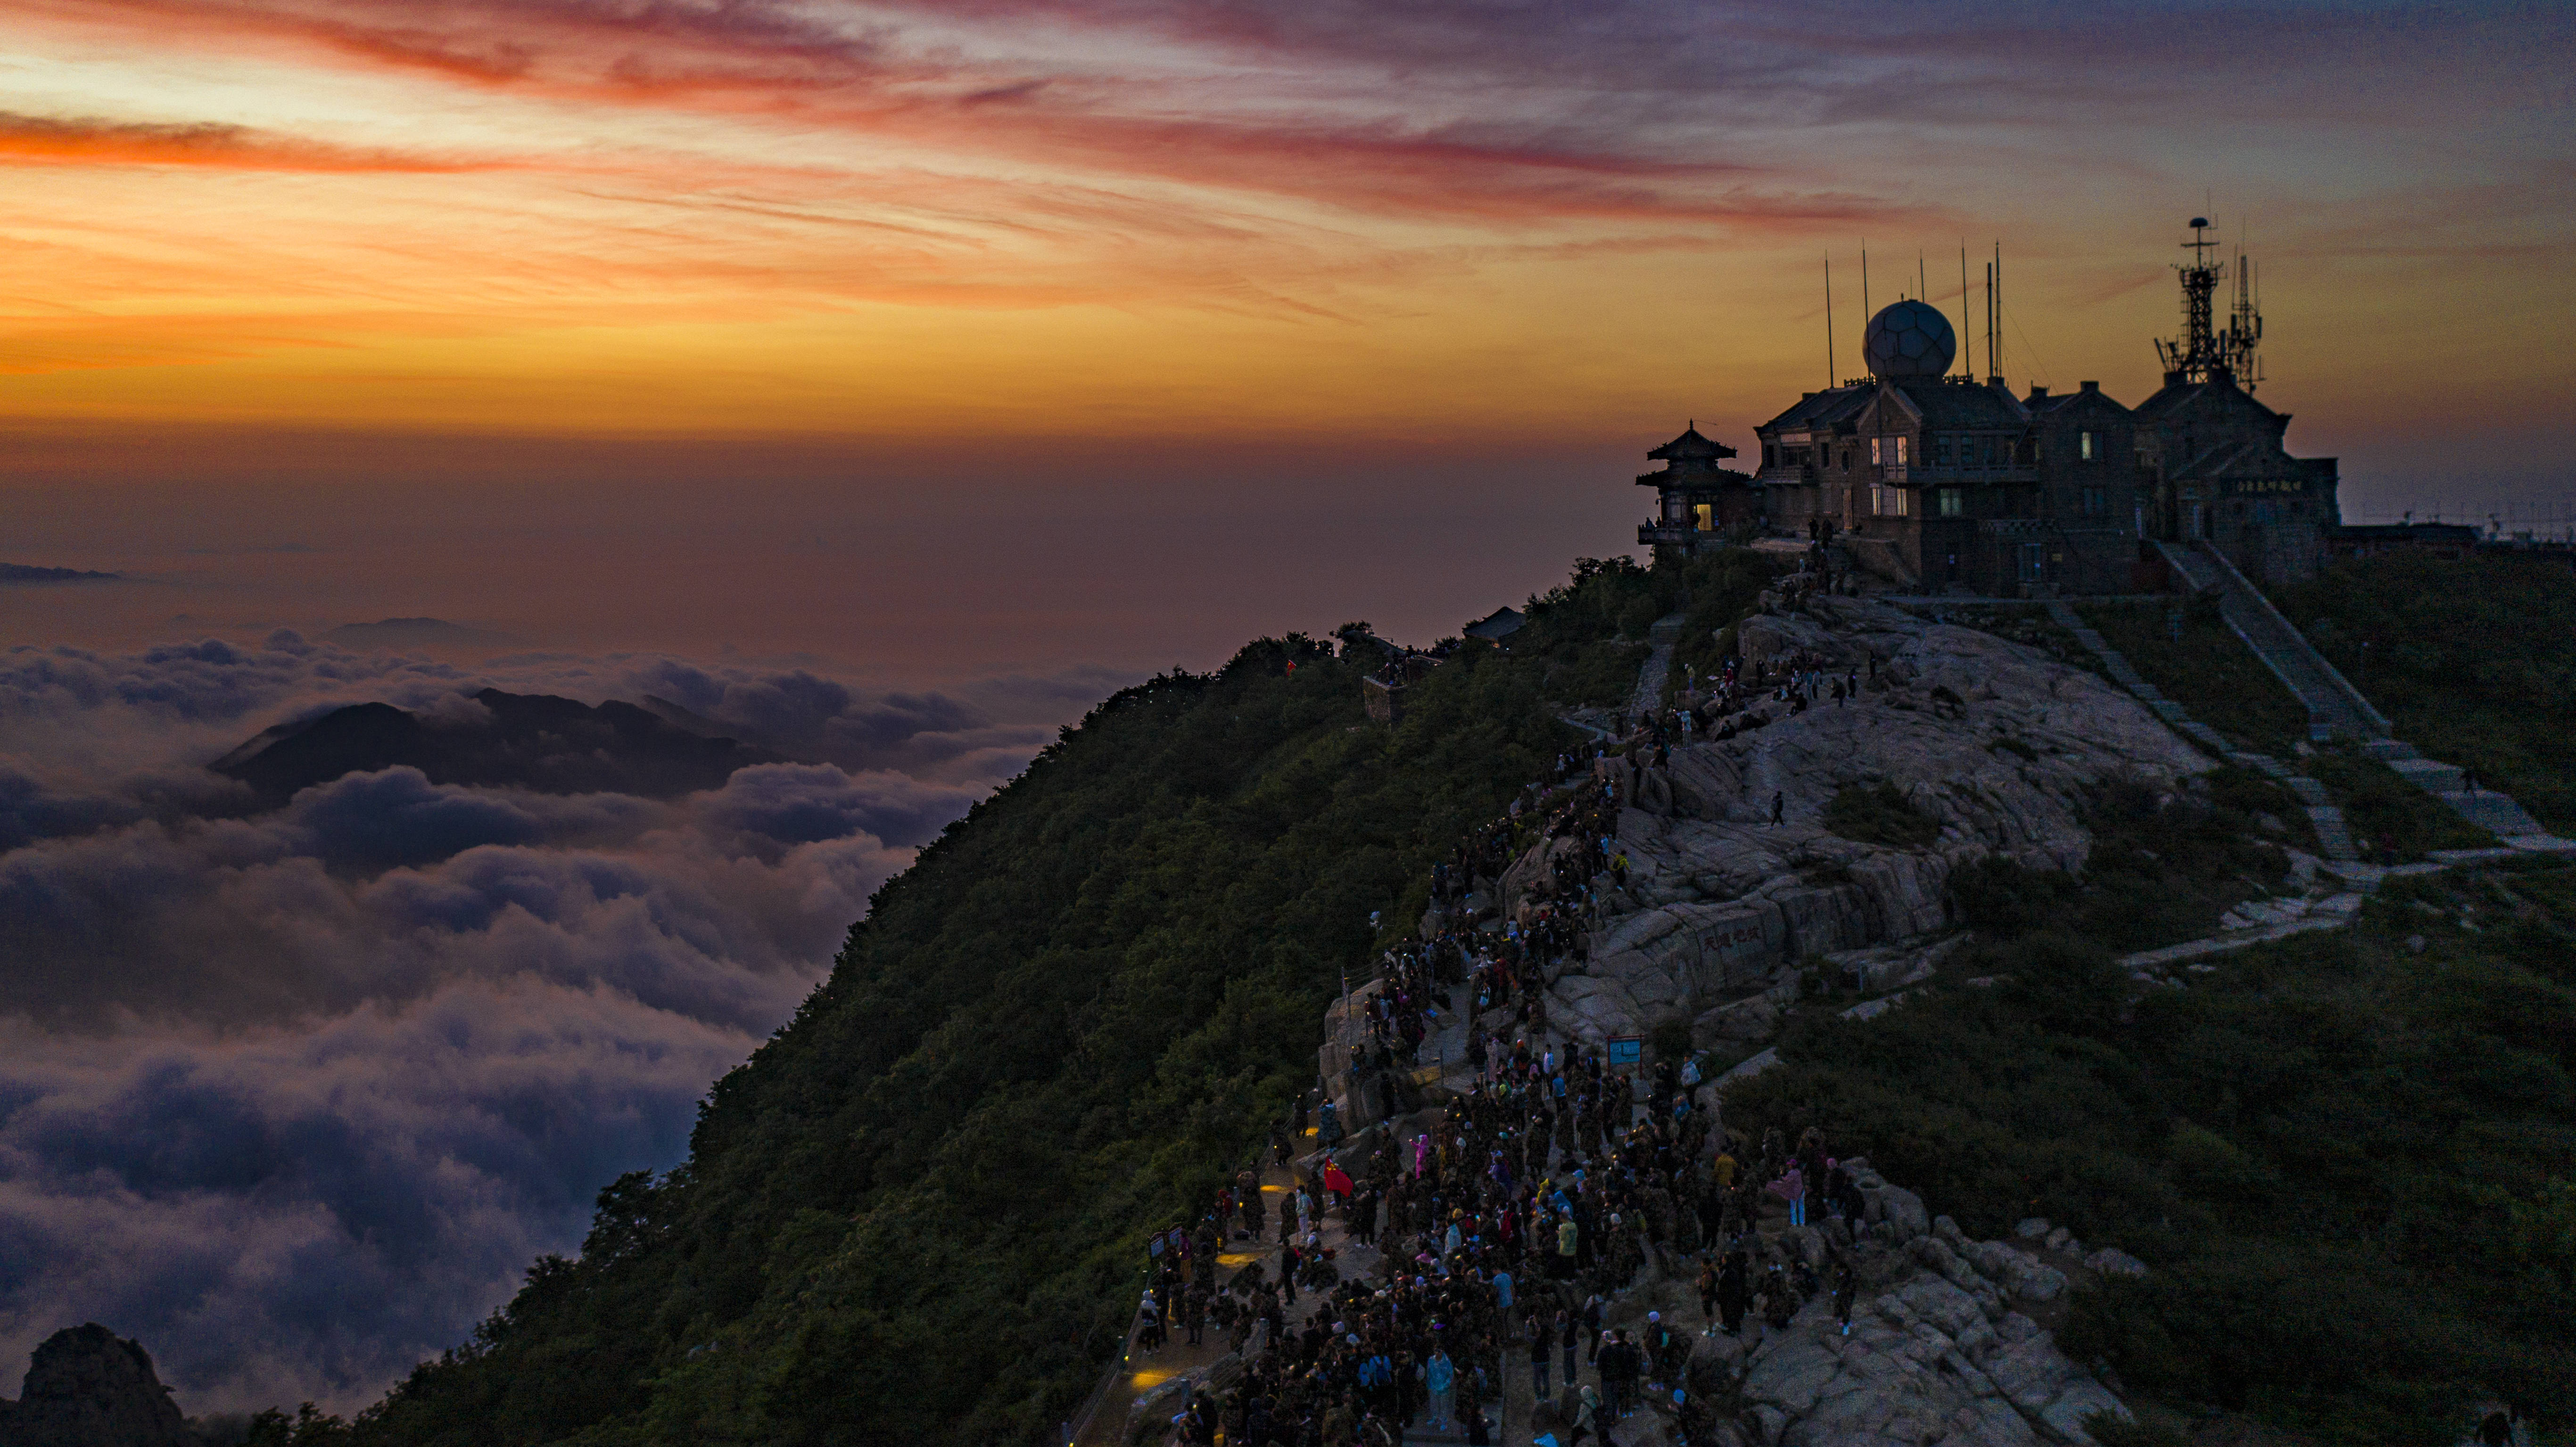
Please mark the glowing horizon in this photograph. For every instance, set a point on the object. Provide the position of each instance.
(1018, 219)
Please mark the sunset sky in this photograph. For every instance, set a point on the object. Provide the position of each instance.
(1012, 288)
(891, 383)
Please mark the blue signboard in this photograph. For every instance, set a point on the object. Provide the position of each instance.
(1627, 1050)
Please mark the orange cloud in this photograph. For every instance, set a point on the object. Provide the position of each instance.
(45, 141)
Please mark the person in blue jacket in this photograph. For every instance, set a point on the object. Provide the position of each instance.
(1440, 1380)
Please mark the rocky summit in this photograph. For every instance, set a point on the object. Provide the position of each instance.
(1998, 745)
(89, 1387)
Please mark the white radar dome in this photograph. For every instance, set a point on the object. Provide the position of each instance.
(1909, 339)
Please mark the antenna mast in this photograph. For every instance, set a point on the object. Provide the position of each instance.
(1832, 378)
(1995, 318)
(1965, 343)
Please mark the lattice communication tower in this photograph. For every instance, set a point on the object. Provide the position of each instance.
(2203, 353)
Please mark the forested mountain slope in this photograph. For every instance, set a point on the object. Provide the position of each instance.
(920, 1206)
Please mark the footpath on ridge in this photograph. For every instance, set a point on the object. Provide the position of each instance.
(1715, 893)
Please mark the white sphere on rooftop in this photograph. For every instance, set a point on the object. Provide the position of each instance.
(1909, 339)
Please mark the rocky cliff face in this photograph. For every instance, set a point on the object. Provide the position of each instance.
(1949, 1349)
(89, 1387)
(2000, 744)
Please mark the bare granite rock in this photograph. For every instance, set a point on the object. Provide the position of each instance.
(1926, 1362)
(1999, 744)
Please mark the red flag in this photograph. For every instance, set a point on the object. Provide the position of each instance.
(1335, 1181)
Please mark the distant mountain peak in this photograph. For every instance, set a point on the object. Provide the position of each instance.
(415, 633)
(540, 742)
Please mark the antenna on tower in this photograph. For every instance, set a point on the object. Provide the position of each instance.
(1832, 378)
(2203, 353)
(1995, 317)
(1965, 343)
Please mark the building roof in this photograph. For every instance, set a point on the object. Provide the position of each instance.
(1961, 406)
(2040, 403)
(1821, 409)
(1499, 624)
(1690, 446)
(2174, 396)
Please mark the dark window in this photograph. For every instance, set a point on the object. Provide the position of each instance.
(2096, 504)
(1769, 455)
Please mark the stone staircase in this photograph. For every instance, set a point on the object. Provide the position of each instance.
(2127, 676)
(2333, 840)
(2489, 809)
(1661, 637)
(2334, 706)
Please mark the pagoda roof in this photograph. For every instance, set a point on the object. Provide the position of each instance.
(1690, 446)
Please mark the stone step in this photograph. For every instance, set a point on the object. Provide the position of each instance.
(2333, 839)
(2310, 792)
(2431, 775)
(2146, 692)
(2389, 750)
(2168, 710)
(2269, 765)
(2205, 734)
(2494, 812)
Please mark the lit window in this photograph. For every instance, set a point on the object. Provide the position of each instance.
(2087, 447)
(1706, 522)
(1904, 504)
(1875, 445)
(1900, 451)
(1950, 503)
(1876, 506)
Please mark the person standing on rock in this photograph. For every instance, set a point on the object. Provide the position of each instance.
(1622, 1382)
(1778, 801)
(1542, 1351)
(1734, 1290)
(1587, 1419)
(1792, 1188)
(1440, 1383)
(1846, 1287)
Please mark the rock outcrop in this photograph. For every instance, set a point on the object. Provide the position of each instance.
(1945, 1348)
(2000, 745)
(89, 1387)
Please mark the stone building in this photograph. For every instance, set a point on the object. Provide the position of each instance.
(2219, 473)
(1944, 483)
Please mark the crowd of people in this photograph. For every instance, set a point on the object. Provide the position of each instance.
(1506, 1222)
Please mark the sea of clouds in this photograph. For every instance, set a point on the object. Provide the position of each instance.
(295, 1096)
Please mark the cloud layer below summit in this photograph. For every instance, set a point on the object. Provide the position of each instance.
(295, 1095)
